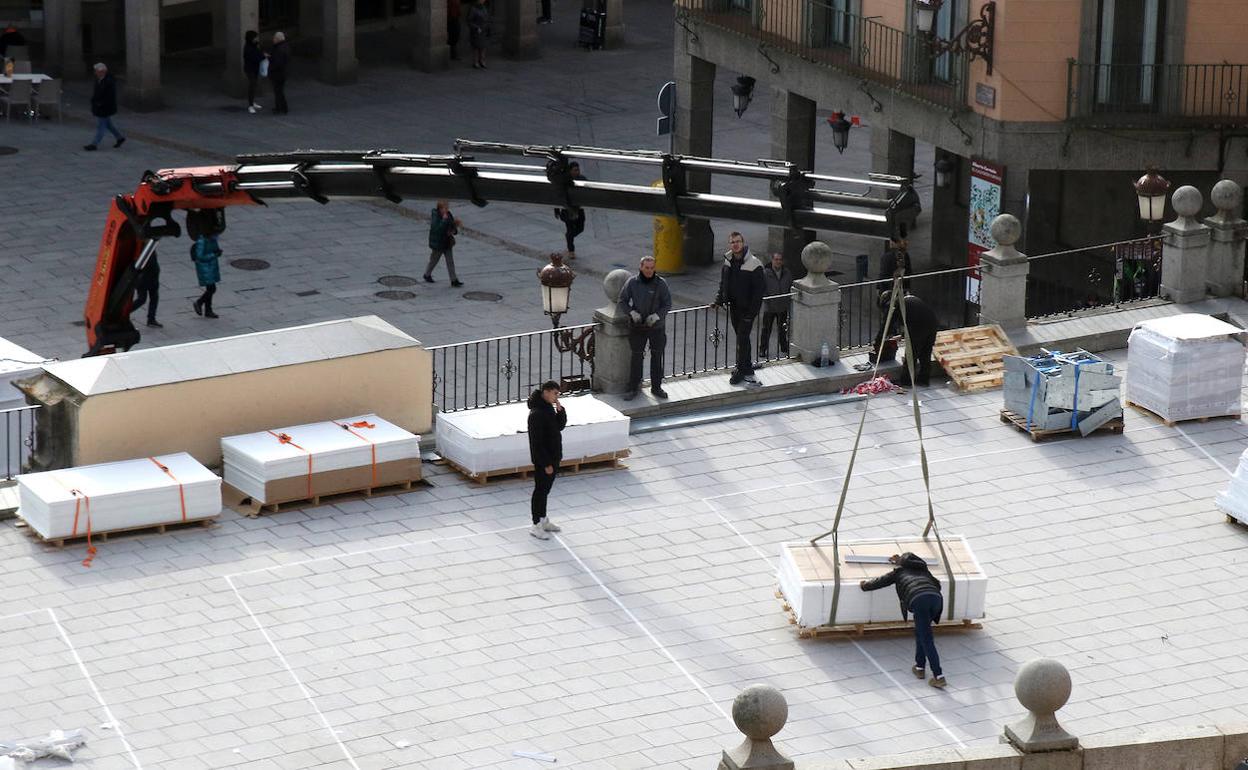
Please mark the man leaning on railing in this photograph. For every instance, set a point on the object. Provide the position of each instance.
(647, 301)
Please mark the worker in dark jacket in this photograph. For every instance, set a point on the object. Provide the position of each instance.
(147, 291)
(104, 107)
(547, 420)
(919, 592)
(741, 289)
(252, 57)
(646, 300)
(777, 281)
(922, 323)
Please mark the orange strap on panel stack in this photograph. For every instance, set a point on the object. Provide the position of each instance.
(78, 498)
(372, 445)
(181, 493)
(286, 439)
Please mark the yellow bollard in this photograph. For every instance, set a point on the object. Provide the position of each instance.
(669, 244)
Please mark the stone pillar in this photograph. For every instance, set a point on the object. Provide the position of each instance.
(615, 20)
(1003, 271)
(1043, 687)
(815, 318)
(792, 139)
(63, 28)
(611, 350)
(892, 152)
(759, 711)
(240, 17)
(1185, 249)
(142, 83)
(520, 29)
(1225, 276)
(695, 121)
(338, 63)
(430, 51)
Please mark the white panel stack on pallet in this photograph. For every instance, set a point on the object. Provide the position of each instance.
(1234, 501)
(496, 438)
(123, 495)
(807, 580)
(268, 468)
(1062, 391)
(1186, 367)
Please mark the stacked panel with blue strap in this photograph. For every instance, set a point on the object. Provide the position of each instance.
(1058, 391)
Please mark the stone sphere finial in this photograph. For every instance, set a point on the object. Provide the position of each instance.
(1006, 229)
(1042, 685)
(613, 284)
(760, 710)
(817, 257)
(1227, 195)
(1187, 201)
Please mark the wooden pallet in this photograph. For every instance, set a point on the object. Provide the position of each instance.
(861, 630)
(250, 508)
(1037, 434)
(102, 535)
(1172, 423)
(608, 461)
(972, 357)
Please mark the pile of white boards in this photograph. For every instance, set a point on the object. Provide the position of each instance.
(1186, 367)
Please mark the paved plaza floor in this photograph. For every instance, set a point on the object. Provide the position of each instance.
(427, 629)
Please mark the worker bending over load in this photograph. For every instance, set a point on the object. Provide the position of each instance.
(922, 322)
(919, 592)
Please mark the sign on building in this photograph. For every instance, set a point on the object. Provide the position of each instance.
(985, 205)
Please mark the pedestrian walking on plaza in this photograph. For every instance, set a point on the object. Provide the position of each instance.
(647, 300)
(253, 58)
(454, 25)
(547, 420)
(206, 254)
(919, 592)
(777, 280)
(922, 323)
(443, 227)
(279, 68)
(573, 218)
(478, 27)
(104, 107)
(147, 291)
(741, 290)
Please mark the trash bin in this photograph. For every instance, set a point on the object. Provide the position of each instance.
(669, 244)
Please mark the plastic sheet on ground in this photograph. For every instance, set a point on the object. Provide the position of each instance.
(58, 744)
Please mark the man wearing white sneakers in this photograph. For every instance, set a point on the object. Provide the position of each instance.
(547, 419)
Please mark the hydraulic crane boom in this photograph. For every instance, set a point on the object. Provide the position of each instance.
(137, 221)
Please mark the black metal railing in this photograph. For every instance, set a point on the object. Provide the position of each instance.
(1110, 274)
(502, 370)
(860, 46)
(19, 438)
(1157, 94)
(701, 339)
(953, 294)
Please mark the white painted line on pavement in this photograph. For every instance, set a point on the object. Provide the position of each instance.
(1203, 451)
(289, 669)
(23, 614)
(108, 712)
(915, 700)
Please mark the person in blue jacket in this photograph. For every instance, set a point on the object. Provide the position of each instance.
(206, 254)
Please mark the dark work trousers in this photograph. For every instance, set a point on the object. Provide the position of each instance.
(542, 482)
(638, 338)
(149, 294)
(573, 226)
(922, 358)
(453, 28)
(545, 11)
(251, 90)
(742, 328)
(925, 608)
(279, 94)
(781, 320)
(205, 299)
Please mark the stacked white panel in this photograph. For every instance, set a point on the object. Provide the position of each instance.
(1186, 367)
(1234, 500)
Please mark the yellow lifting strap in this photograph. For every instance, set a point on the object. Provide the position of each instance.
(896, 303)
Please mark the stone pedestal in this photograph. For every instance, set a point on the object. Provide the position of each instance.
(816, 315)
(1185, 249)
(63, 31)
(240, 17)
(695, 122)
(142, 82)
(338, 63)
(520, 29)
(1003, 281)
(759, 711)
(430, 51)
(1225, 276)
(611, 350)
(1042, 687)
(792, 139)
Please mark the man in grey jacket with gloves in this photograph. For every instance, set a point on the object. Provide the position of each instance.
(646, 300)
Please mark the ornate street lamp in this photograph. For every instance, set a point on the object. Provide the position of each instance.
(556, 279)
(945, 170)
(840, 131)
(975, 40)
(1151, 190)
(742, 93)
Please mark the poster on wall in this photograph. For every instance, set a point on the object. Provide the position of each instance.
(986, 179)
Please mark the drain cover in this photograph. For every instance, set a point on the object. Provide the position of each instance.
(308, 293)
(8, 150)
(483, 296)
(397, 280)
(249, 264)
(396, 294)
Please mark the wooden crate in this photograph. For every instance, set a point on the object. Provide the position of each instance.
(1038, 434)
(972, 356)
(610, 460)
(861, 630)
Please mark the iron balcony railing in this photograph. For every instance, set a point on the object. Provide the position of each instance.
(19, 439)
(953, 294)
(701, 339)
(1151, 95)
(1109, 275)
(820, 32)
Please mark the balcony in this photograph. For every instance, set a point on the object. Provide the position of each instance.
(1157, 95)
(860, 47)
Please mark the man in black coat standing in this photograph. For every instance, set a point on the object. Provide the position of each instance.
(741, 289)
(547, 420)
(104, 107)
(919, 592)
(922, 322)
(279, 62)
